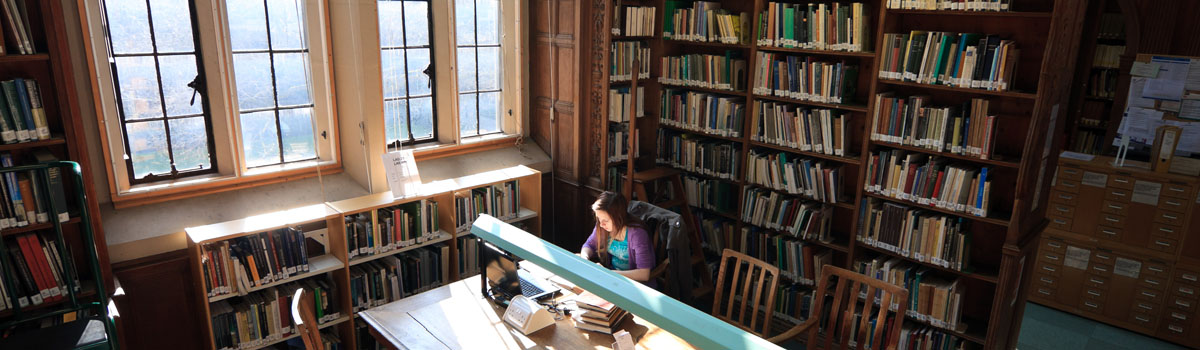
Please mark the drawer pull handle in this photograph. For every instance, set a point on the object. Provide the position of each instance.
(1069, 171)
(1183, 303)
(1173, 203)
(1068, 184)
(1101, 269)
(1047, 268)
(1189, 277)
(1152, 295)
(1153, 282)
(1093, 293)
(1185, 290)
(1171, 217)
(1167, 230)
(1144, 306)
(1155, 269)
(1140, 318)
(1054, 245)
(1109, 232)
(1047, 280)
(1043, 291)
(1051, 257)
(1176, 329)
(1176, 189)
(1091, 305)
(1096, 281)
(1117, 179)
(1122, 194)
(1102, 256)
(1110, 219)
(1117, 207)
(1179, 316)
(1165, 244)
(1060, 222)
(1063, 196)
(1062, 209)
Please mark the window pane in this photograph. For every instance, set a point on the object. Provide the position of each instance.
(148, 148)
(286, 33)
(247, 24)
(172, 25)
(296, 124)
(253, 74)
(416, 23)
(394, 123)
(189, 144)
(129, 29)
(259, 139)
(392, 62)
(138, 83)
(467, 115)
(177, 72)
(464, 20)
(466, 69)
(487, 25)
(489, 68)
(418, 82)
(422, 117)
(291, 79)
(391, 28)
(489, 112)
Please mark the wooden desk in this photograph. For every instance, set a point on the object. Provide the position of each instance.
(455, 316)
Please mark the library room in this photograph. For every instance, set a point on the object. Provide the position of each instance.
(599, 174)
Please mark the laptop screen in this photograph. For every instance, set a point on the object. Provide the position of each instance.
(499, 270)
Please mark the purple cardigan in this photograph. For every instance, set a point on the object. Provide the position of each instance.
(641, 250)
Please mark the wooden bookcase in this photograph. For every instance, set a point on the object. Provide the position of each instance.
(325, 223)
(50, 67)
(1089, 121)
(1029, 117)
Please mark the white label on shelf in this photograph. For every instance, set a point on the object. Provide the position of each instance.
(1095, 179)
(1077, 257)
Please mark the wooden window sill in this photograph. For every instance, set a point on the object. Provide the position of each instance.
(194, 187)
(471, 145)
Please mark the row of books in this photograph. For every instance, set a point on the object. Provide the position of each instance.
(699, 155)
(1102, 83)
(37, 271)
(799, 261)
(1087, 141)
(265, 316)
(26, 198)
(966, 130)
(624, 55)
(704, 21)
(17, 31)
(916, 177)
(236, 265)
(958, 5)
(815, 130)
(468, 256)
(799, 218)
(929, 338)
(633, 20)
(22, 115)
(714, 231)
(616, 179)
(395, 277)
(711, 194)
(702, 112)
(793, 302)
(501, 201)
(722, 72)
(815, 26)
(618, 144)
(917, 234)
(802, 78)
(966, 60)
(619, 100)
(395, 227)
(1108, 56)
(1112, 26)
(931, 298)
(794, 175)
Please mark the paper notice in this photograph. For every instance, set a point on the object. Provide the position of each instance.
(1146, 192)
(1128, 268)
(1076, 156)
(1077, 257)
(1144, 69)
(1135, 99)
(1193, 77)
(1172, 74)
(400, 168)
(1187, 144)
(1189, 109)
(1095, 179)
(1170, 106)
(1139, 124)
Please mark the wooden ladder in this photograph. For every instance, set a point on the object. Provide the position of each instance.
(679, 199)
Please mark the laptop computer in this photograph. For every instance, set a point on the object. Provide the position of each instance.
(503, 279)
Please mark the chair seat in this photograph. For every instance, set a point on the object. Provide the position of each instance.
(70, 335)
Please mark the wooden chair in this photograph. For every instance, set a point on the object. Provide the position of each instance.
(758, 279)
(306, 320)
(840, 321)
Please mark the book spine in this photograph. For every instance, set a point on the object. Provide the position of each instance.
(37, 110)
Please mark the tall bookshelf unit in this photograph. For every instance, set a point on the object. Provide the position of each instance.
(50, 67)
(325, 224)
(1028, 115)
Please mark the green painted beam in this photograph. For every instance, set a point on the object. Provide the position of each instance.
(696, 327)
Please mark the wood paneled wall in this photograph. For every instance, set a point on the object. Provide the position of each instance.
(157, 310)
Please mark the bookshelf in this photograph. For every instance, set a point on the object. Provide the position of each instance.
(1027, 114)
(333, 232)
(50, 68)
(1101, 48)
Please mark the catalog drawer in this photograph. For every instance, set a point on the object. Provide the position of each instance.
(1181, 191)
(1116, 194)
(1120, 181)
(1061, 197)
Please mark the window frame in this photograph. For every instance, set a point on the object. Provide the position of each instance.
(431, 72)
(500, 78)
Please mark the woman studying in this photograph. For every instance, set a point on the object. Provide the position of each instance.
(618, 241)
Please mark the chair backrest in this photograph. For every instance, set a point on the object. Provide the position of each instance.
(657, 222)
(750, 302)
(838, 322)
(306, 320)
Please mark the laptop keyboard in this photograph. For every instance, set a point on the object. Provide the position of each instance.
(529, 289)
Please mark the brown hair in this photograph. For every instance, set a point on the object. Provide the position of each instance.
(615, 205)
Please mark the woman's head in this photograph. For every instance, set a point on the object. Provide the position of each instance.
(610, 209)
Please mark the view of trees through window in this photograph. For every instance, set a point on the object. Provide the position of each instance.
(270, 61)
(405, 53)
(164, 121)
(477, 29)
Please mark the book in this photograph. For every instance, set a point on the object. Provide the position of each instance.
(634, 21)
(936, 182)
(501, 201)
(702, 112)
(620, 101)
(398, 276)
(711, 194)
(265, 316)
(37, 111)
(965, 60)
(256, 260)
(587, 326)
(593, 302)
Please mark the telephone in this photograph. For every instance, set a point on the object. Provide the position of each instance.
(526, 315)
